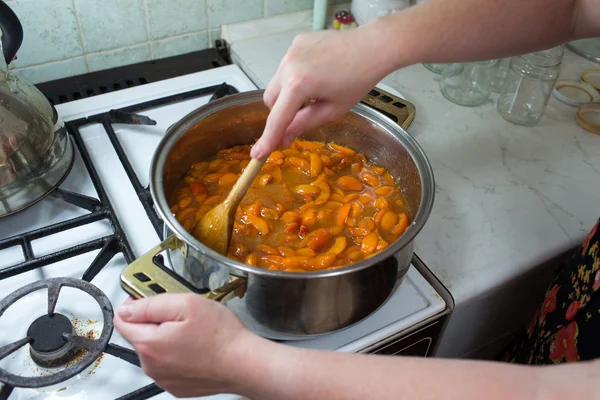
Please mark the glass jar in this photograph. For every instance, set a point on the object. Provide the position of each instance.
(500, 80)
(468, 84)
(435, 68)
(528, 86)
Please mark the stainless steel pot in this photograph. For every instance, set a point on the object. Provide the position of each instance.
(35, 151)
(283, 305)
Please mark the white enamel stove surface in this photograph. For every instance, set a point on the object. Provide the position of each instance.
(413, 301)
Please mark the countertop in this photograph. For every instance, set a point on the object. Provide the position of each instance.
(508, 198)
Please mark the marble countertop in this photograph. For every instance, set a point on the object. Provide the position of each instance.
(508, 198)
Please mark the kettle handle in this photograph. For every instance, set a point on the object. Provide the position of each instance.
(12, 32)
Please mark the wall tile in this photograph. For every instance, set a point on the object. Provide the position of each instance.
(175, 17)
(120, 57)
(111, 33)
(179, 45)
(215, 34)
(229, 11)
(109, 24)
(50, 31)
(276, 7)
(55, 70)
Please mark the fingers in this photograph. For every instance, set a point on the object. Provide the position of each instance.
(154, 310)
(135, 332)
(283, 112)
(272, 91)
(310, 117)
(287, 140)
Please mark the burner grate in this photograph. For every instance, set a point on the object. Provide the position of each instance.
(127, 115)
(100, 209)
(93, 347)
(111, 245)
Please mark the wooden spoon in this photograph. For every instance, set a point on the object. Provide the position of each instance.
(214, 228)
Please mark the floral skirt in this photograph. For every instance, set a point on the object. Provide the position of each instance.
(566, 326)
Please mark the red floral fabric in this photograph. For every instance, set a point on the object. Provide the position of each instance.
(566, 326)
(564, 344)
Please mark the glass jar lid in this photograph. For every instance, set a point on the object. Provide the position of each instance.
(592, 76)
(588, 117)
(575, 93)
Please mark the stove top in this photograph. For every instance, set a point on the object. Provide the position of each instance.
(58, 263)
(61, 259)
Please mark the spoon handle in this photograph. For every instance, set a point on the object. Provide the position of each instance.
(243, 183)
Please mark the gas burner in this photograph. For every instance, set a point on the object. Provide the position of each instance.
(51, 339)
(48, 347)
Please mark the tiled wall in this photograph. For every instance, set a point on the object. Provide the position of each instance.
(71, 37)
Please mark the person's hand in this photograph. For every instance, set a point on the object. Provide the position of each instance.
(186, 343)
(333, 70)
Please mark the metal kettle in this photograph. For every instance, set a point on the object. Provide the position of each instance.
(36, 153)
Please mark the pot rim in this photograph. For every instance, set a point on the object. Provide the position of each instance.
(176, 130)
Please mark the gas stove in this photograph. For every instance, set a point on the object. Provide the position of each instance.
(61, 259)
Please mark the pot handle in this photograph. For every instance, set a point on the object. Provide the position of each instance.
(147, 277)
(397, 109)
(12, 32)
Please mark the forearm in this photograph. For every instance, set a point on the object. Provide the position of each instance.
(444, 31)
(274, 372)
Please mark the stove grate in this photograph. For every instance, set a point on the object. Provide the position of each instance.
(100, 209)
(127, 115)
(58, 344)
